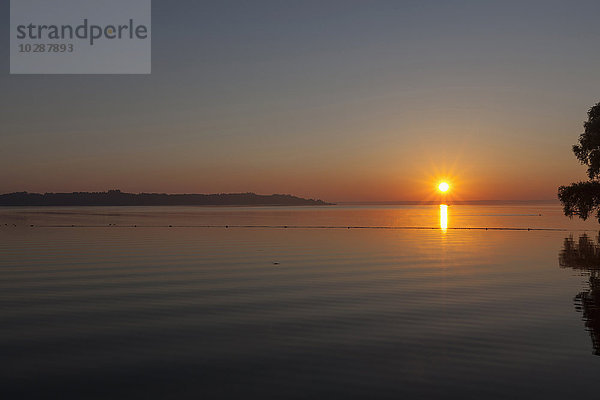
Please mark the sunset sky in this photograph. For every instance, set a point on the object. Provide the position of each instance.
(338, 100)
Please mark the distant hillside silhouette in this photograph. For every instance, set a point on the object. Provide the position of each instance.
(118, 198)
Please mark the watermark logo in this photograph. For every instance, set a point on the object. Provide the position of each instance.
(80, 37)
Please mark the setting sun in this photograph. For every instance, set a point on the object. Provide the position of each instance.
(443, 187)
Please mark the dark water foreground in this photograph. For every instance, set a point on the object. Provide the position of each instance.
(164, 312)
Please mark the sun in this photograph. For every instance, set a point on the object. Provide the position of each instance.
(443, 187)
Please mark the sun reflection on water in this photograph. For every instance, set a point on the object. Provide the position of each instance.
(443, 217)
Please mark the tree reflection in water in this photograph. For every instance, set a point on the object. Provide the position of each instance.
(584, 256)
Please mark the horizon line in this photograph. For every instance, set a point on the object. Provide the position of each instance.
(342, 202)
(429, 202)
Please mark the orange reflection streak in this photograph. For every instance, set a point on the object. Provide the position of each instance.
(443, 217)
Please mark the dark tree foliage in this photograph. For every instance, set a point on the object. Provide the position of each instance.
(588, 149)
(580, 199)
(583, 198)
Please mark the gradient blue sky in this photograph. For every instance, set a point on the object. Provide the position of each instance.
(340, 100)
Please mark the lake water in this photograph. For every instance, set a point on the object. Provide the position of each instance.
(282, 302)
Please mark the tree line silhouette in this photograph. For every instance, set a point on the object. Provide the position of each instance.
(118, 198)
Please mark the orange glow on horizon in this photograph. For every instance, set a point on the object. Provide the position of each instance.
(443, 181)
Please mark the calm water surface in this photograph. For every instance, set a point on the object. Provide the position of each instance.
(191, 302)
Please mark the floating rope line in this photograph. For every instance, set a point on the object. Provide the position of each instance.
(311, 227)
